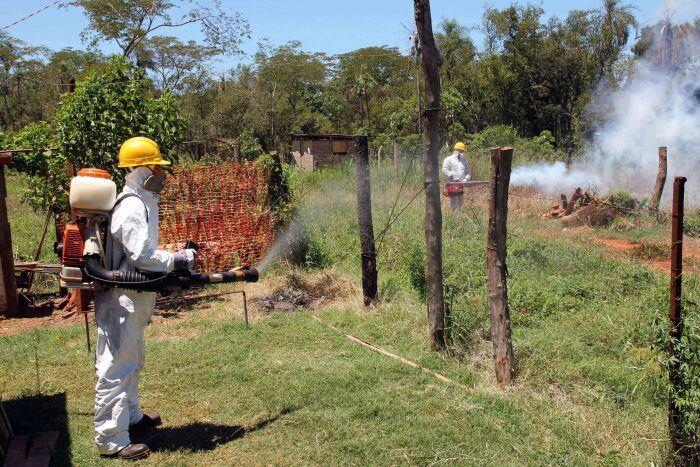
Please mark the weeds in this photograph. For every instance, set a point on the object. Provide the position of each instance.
(691, 223)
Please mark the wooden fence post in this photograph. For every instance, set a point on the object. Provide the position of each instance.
(364, 215)
(8, 287)
(396, 159)
(674, 414)
(497, 270)
(660, 182)
(431, 148)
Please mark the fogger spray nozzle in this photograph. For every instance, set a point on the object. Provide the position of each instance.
(242, 274)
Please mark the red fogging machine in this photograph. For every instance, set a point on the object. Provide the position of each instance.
(86, 250)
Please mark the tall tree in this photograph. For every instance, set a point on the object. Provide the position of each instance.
(173, 61)
(285, 77)
(612, 25)
(129, 22)
(21, 86)
(367, 79)
(456, 49)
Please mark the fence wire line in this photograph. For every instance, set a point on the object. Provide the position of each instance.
(30, 15)
(389, 220)
(554, 199)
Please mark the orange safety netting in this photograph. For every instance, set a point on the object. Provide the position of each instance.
(222, 207)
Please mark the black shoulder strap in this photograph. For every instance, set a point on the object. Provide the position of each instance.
(129, 195)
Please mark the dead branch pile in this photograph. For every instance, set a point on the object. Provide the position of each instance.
(583, 208)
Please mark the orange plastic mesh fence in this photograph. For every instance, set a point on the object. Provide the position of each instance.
(222, 207)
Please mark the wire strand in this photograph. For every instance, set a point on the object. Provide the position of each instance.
(30, 15)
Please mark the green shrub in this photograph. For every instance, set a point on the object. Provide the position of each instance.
(416, 271)
(306, 251)
(691, 224)
(623, 201)
(465, 325)
(47, 171)
(107, 109)
(249, 146)
(687, 361)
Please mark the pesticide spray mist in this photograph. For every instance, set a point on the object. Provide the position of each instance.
(657, 105)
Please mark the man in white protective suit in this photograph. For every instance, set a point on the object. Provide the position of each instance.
(121, 314)
(455, 168)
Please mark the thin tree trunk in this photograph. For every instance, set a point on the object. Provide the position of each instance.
(497, 270)
(660, 181)
(431, 147)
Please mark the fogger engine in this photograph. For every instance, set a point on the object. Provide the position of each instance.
(86, 249)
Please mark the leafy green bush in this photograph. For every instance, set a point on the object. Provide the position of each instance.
(306, 251)
(525, 150)
(47, 170)
(497, 135)
(687, 362)
(691, 223)
(109, 108)
(249, 146)
(623, 201)
(416, 271)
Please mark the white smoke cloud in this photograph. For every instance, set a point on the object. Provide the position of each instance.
(654, 107)
(552, 178)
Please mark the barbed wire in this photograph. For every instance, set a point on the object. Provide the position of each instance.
(31, 14)
(558, 201)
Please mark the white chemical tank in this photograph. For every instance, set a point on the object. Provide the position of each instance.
(92, 190)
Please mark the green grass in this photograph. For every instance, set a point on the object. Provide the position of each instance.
(27, 224)
(588, 389)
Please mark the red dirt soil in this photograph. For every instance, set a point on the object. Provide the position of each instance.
(657, 264)
(57, 319)
(616, 243)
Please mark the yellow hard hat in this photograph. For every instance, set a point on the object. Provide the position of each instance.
(460, 146)
(140, 151)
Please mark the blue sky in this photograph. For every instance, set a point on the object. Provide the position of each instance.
(321, 25)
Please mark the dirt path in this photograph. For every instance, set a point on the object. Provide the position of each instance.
(55, 319)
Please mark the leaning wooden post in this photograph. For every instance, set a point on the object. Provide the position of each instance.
(660, 182)
(431, 148)
(499, 312)
(364, 215)
(674, 414)
(8, 287)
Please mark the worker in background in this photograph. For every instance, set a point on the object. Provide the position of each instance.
(121, 314)
(456, 169)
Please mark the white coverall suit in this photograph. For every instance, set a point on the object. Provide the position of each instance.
(122, 315)
(455, 168)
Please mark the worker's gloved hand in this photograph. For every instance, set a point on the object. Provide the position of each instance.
(467, 178)
(184, 259)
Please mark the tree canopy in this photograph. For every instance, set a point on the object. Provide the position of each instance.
(533, 73)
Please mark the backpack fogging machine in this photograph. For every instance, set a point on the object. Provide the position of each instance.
(86, 251)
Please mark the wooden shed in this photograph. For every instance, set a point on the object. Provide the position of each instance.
(318, 150)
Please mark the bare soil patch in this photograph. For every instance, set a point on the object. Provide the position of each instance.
(44, 311)
(657, 255)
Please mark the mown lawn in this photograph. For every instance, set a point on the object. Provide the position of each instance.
(588, 389)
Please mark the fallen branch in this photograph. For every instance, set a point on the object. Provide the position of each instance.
(386, 353)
